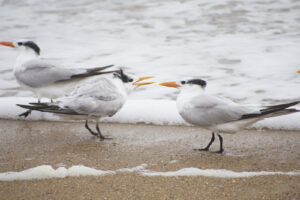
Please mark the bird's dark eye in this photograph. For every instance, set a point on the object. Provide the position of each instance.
(20, 43)
(182, 82)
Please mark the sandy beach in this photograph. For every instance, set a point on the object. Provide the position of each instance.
(245, 51)
(27, 144)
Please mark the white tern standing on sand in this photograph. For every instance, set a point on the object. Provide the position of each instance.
(99, 97)
(219, 114)
(44, 78)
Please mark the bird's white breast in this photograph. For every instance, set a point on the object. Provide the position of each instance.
(187, 109)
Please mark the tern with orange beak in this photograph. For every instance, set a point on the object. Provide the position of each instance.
(98, 97)
(219, 114)
(44, 78)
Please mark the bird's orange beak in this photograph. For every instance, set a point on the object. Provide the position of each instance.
(144, 83)
(9, 44)
(170, 84)
(298, 71)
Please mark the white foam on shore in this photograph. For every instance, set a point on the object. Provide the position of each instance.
(217, 173)
(288, 122)
(149, 111)
(47, 172)
(133, 169)
(9, 109)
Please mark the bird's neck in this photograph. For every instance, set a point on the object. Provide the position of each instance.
(191, 90)
(122, 88)
(24, 57)
(187, 93)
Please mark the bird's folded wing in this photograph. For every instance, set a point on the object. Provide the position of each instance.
(39, 73)
(212, 110)
(99, 94)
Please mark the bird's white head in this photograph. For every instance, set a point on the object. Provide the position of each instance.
(185, 84)
(25, 45)
(131, 82)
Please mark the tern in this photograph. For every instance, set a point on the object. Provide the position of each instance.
(216, 113)
(44, 78)
(99, 97)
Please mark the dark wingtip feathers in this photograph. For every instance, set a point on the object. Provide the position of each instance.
(48, 107)
(281, 109)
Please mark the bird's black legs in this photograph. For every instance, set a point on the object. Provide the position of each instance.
(98, 133)
(221, 150)
(90, 130)
(209, 144)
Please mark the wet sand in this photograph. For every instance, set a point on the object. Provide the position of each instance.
(27, 144)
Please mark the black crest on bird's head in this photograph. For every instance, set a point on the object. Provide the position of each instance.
(124, 77)
(196, 81)
(32, 45)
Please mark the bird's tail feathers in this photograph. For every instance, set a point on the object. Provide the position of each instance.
(97, 69)
(276, 110)
(48, 107)
(280, 106)
(94, 71)
(281, 112)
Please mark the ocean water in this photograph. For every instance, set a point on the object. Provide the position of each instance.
(248, 51)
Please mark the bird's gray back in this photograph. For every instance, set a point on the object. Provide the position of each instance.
(97, 98)
(38, 73)
(205, 110)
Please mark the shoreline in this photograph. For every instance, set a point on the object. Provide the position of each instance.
(27, 144)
